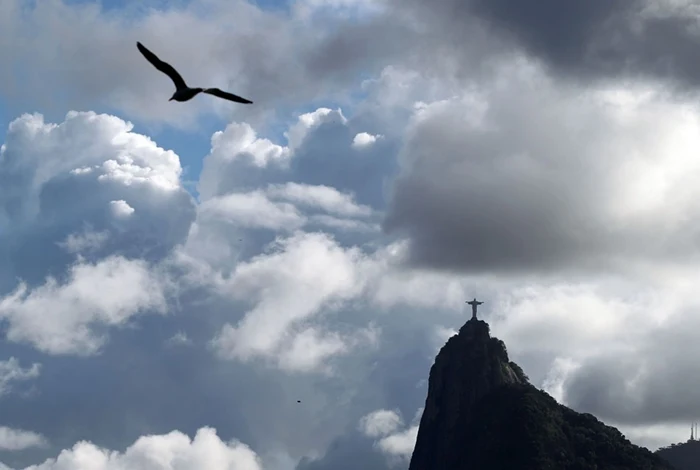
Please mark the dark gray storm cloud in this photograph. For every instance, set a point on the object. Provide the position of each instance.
(532, 174)
(585, 39)
(462, 207)
(281, 63)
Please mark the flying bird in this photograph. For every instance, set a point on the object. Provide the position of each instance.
(182, 91)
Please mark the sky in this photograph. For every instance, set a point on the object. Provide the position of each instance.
(224, 286)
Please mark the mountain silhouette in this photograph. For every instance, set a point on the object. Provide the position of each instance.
(481, 413)
(684, 456)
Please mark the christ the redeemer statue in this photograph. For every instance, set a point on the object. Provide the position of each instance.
(474, 303)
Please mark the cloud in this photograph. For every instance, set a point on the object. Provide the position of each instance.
(67, 248)
(179, 339)
(347, 453)
(616, 347)
(484, 189)
(17, 439)
(561, 370)
(343, 182)
(11, 371)
(390, 285)
(331, 43)
(47, 168)
(400, 444)
(278, 208)
(275, 58)
(238, 158)
(107, 293)
(581, 314)
(290, 294)
(323, 197)
(306, 273)
(380, 423)
(156, 452)
(581, 40)
(252, 210)
(308, 122)
(627, 390)
(310, 348)
(88, 240)
(344, 225)
(441, 335)
(251, 188)
(655, 436)
(121, 209)
(384, 426)
(280, 261)
(92, 144)
(362, 8)
(363, 140)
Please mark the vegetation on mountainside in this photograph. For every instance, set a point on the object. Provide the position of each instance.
(519, 426)
(685, 456)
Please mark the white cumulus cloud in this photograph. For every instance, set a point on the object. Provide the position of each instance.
(392, 438)
(172, 451)
(323, 197)
(58, 318)
(380, 423)
(17, 439)
(363, 140)
(121, 209)
(307, 273)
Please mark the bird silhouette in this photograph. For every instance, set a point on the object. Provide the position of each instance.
(182, 91)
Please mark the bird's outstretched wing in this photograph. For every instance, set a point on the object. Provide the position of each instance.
(225, 95)
(162, 66)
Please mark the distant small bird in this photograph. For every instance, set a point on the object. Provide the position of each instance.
(182, 91)
(298, 401)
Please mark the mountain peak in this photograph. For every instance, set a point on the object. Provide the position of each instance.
(481, 412)
(470, 365)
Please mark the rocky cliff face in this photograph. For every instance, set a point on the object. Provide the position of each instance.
(469, 366)
(482, 413)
